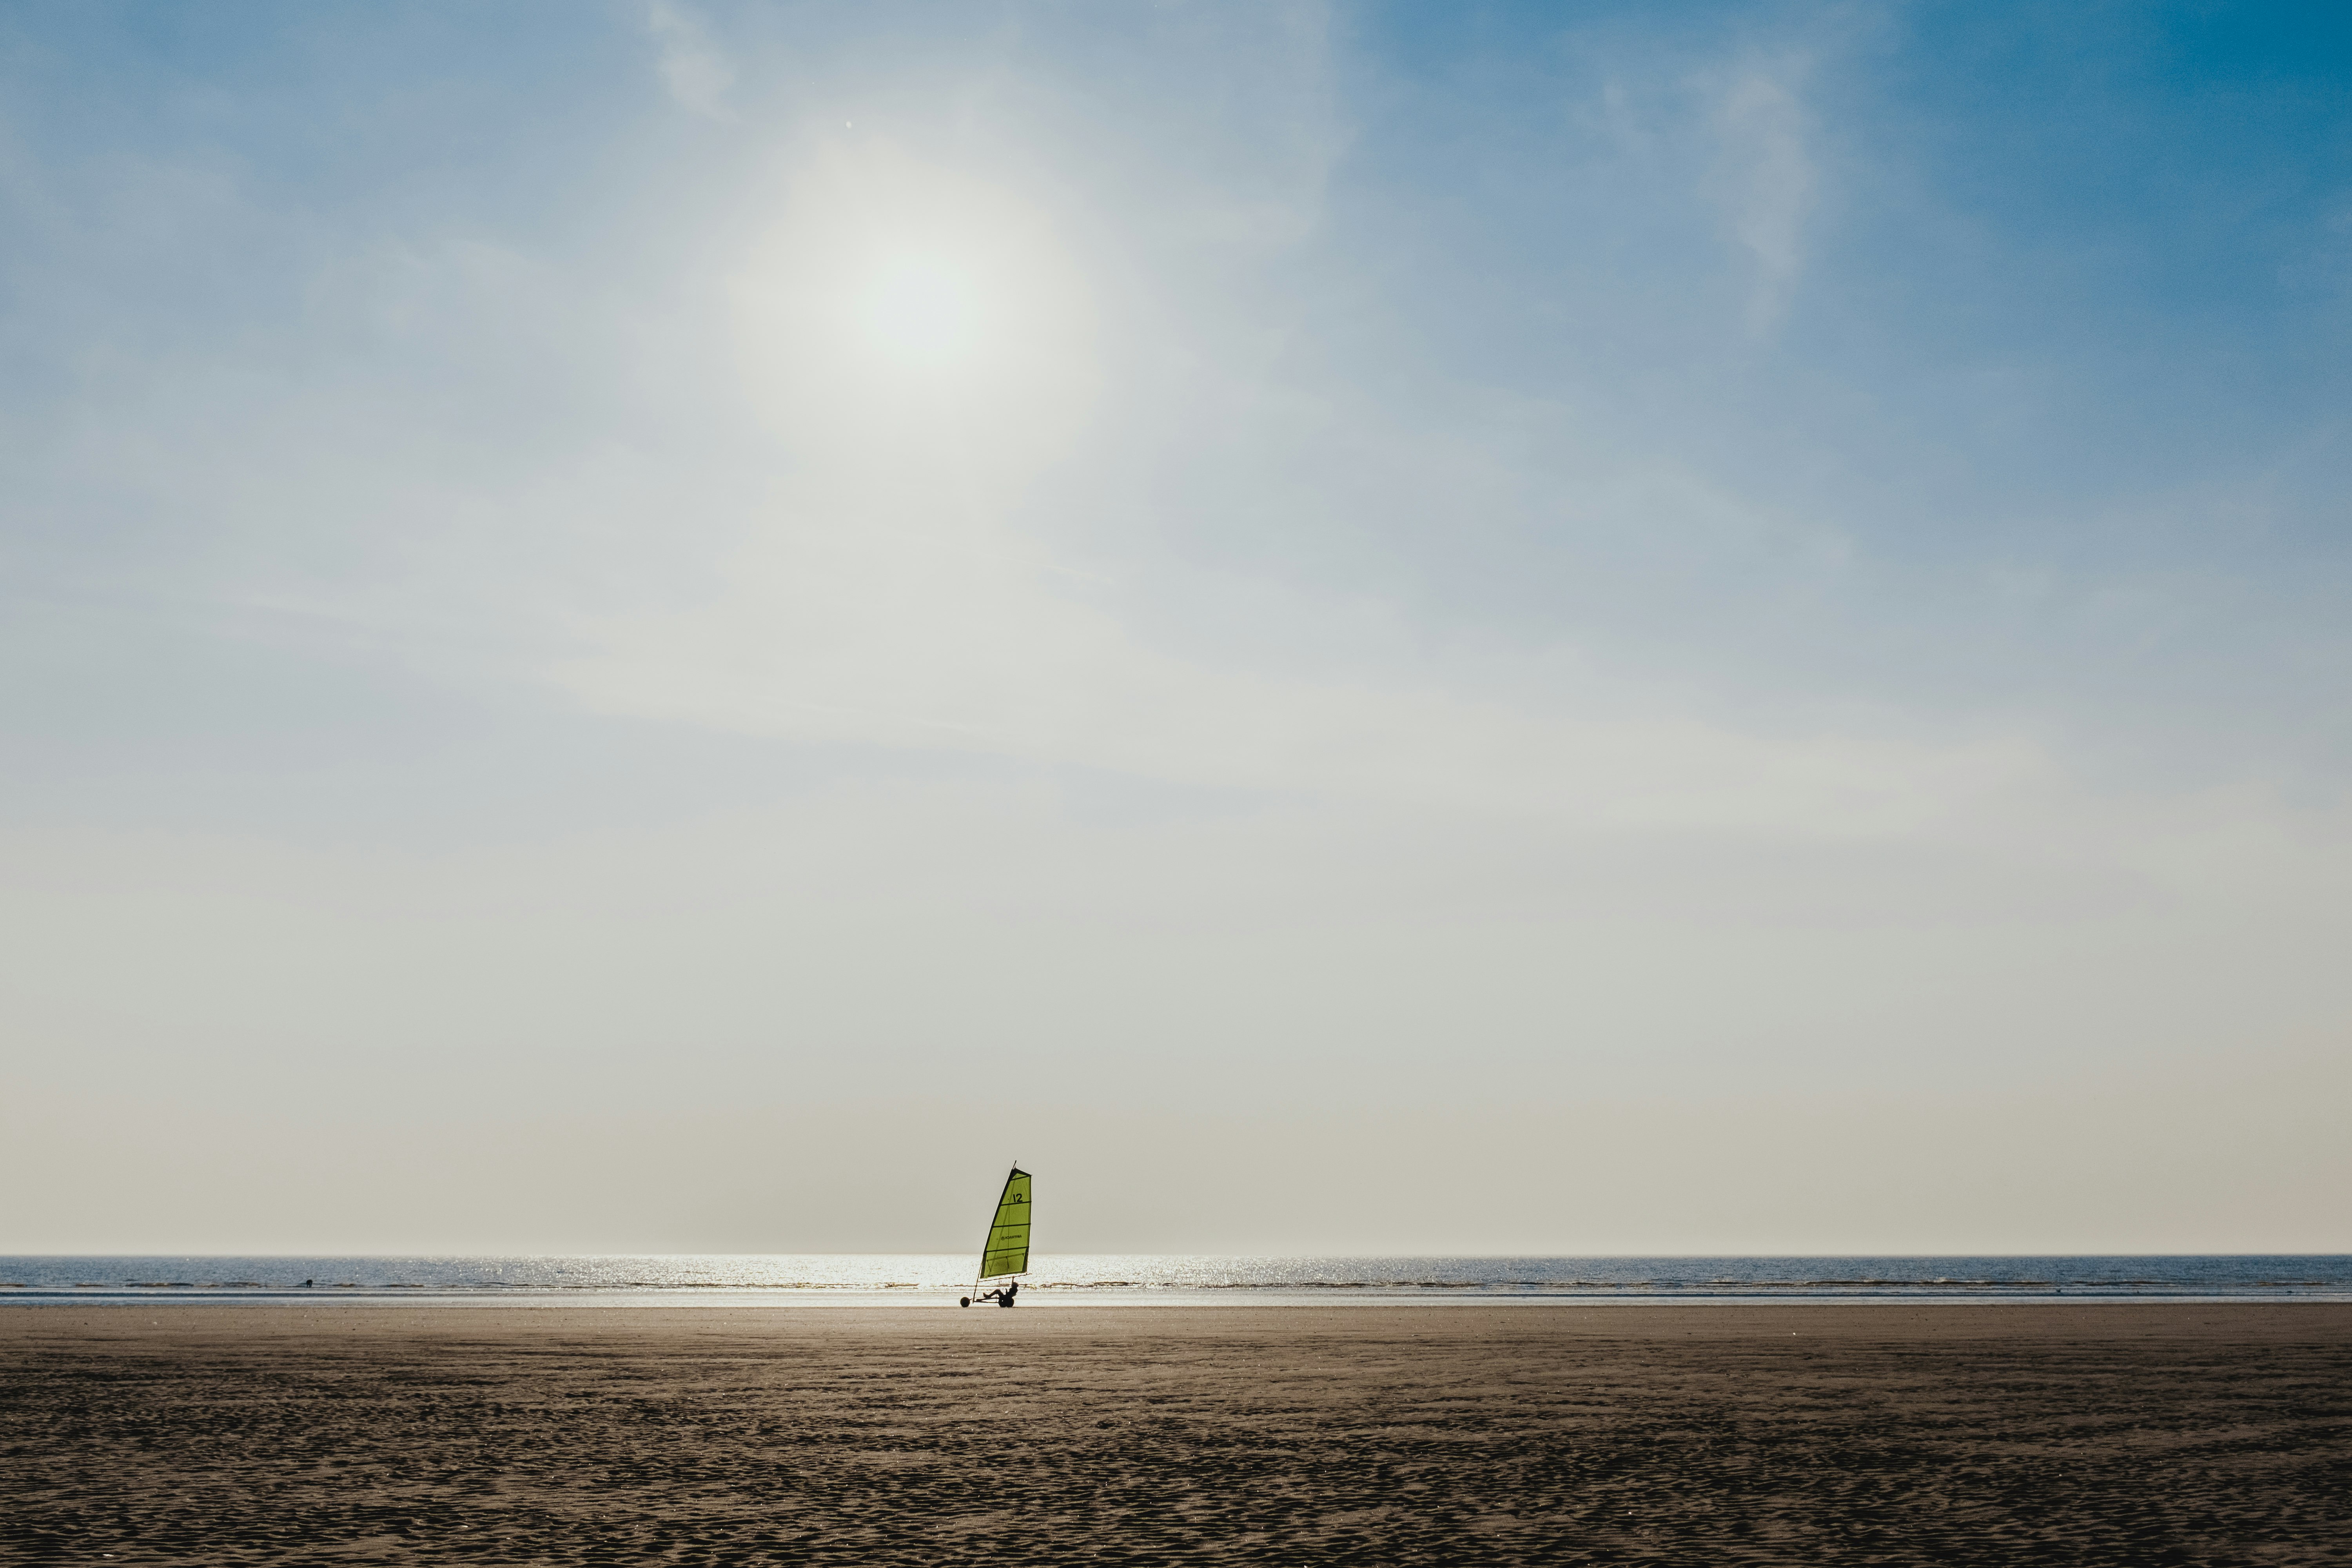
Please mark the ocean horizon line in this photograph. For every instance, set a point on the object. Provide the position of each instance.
(1168, 1277)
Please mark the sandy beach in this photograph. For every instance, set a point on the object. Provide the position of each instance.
(2139, 1433)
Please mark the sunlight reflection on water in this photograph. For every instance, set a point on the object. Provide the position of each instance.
(1195, 1278)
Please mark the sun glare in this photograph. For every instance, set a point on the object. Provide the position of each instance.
(922, 312)
(898, 308)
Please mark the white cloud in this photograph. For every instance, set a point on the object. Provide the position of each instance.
(1765, 181)
(696, 73)
(931, 632)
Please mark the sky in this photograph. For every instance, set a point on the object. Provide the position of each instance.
(1348, 629)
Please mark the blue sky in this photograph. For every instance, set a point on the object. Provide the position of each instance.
(1521, 582)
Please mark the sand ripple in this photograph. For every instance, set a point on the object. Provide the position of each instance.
(1375, 1435)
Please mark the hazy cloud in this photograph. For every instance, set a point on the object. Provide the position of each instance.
(1765, 181)
(697, 73)
(1220, 559)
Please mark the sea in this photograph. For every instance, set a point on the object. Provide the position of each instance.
(1131, 1278)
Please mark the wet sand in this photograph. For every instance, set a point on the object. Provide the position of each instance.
(2139, 1434)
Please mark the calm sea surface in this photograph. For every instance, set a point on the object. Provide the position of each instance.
(1161, 1278)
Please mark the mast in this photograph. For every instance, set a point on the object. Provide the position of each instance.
(1006, 1252)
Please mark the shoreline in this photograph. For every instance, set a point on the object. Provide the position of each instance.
(733, 1299)
(228, 1325)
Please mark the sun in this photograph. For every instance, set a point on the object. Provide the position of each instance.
(923, 312)
(898, 308)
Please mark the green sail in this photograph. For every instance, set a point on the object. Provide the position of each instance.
(1008, 1239)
